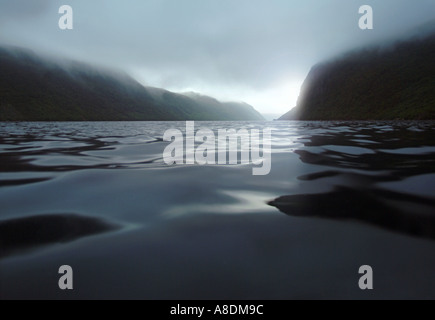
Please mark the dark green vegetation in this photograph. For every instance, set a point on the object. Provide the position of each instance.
(383, 83)
(33, 89)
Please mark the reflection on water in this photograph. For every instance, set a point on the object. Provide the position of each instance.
(24, 234)
(217, 224)
(362, 169)
(395, 211)
(358, 171)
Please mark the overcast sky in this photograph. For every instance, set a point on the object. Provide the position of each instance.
(256, 51)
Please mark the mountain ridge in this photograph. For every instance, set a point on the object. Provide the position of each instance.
(32, 88)
(376, 83)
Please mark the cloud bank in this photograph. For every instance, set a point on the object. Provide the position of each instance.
(253, 50)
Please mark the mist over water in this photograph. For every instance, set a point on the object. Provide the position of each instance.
(255, 51)
(339, 195)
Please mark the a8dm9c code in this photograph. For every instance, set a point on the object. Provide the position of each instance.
(238, 309)
(218, 310)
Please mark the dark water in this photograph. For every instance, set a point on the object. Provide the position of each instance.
(98, 196)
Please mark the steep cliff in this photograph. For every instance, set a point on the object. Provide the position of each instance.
(387, 82)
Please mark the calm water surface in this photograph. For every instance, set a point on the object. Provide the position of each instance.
(98, 196)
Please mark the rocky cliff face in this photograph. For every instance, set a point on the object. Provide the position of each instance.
(385, 83)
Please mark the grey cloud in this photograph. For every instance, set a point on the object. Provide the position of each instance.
(18, 9)
(225, 45)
